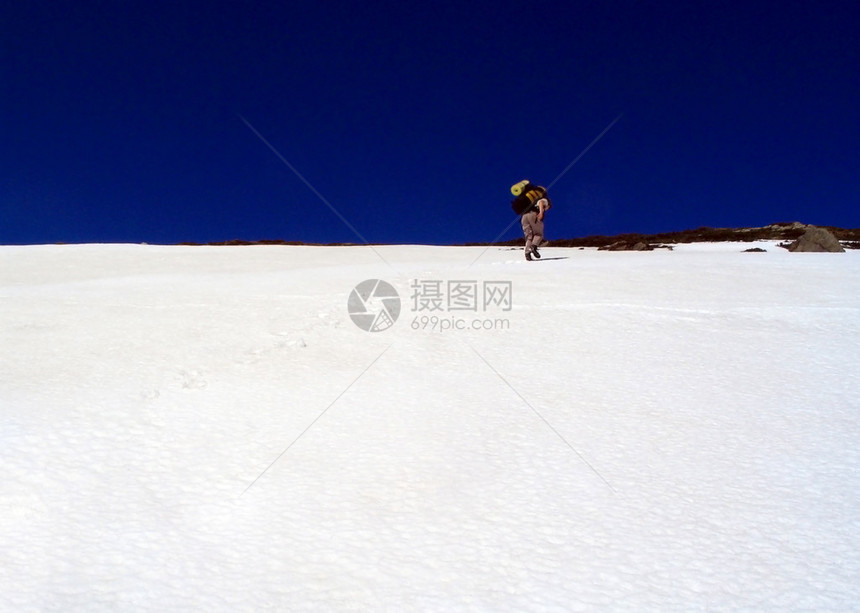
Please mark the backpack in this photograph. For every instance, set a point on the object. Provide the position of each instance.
(526, 195)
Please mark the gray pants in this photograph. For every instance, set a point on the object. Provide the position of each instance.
(533, 230)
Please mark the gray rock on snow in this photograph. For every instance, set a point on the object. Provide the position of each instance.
(817, 240)
(627, 246)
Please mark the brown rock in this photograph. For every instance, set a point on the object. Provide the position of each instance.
(816, 240)
(627, 246)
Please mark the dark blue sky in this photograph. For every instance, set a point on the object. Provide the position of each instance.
(121, 121)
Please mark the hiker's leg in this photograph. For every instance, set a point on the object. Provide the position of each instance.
(537, 232)
(528, 229)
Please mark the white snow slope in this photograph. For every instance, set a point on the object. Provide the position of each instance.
(663, 431)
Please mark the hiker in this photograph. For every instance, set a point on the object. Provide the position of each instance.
(532, 203)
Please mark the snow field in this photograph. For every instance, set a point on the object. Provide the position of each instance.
(654, 431)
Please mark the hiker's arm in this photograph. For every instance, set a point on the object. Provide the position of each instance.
(542, 207)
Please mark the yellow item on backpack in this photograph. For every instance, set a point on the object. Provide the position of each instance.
(535, 194)
(517, 189)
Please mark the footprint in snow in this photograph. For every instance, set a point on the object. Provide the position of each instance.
(192, 380)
